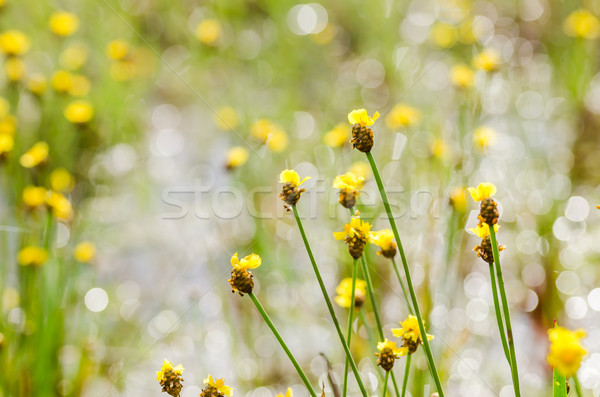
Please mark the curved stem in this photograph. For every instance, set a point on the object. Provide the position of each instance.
(577, 386)
(406, 372)
(413, 295)
(350, 317)
(329, 305)
(282, 343)
(509, 334)
(499, 319)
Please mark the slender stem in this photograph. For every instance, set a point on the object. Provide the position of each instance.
(499, 319)
(406, 372)
(509, 334)
(385, 382)
(282, 343)
(397, 271)
(371, 292)
(396, 388)
(350, 316)
(577, 386)
(329, 305)
(413, 295)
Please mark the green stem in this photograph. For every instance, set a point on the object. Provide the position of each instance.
(371, 292)
(282, 343)
(329, 305)
(406, 372)
(411, 288)
(577, 386)
(396, 388)
(397, 271)
(509, 334)
(385, 382)
(350, 315)
(499, 319)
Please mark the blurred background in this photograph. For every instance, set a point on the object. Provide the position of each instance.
(140, 147)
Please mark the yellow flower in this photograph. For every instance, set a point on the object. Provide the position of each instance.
(482, 229)
(85, 252)
(410, 330)
(355, 227)
(251, 261)
(344, 292)
(36, 155)
(337, 136)
(462, 76)
(390, 345)
(209, 31)
(168, 366)
(2, 3)
(566, 350)
(384, 239)
(439, 148)
(484, 137)
(36, 84)
(402, 116)
(261, 129)
(482, 191)
(63, 23)
(443, 34)
(60, 205)
(360, 116)
(117, 49)
(292, 177)
(14, 42)
(73, 57)
(79, 112)
(61, 81)
(123, 70)
(220, 385)
(237, 156)
(6, 143)
(458, 199)
(487, 60)
(80, 86)
(32, 255)
(4, 107)
(61, 180)
(8, 125)
(361, 169)
(277, 141)
(288, 393)
(34, 196)
(15, 69)
(348, 181)
(227, 118)
(582, 23)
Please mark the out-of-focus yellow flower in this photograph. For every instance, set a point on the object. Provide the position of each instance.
(61, 180)
(14, 42)
(291, 176)
(36, 155)
(466, 31)
(360, 116)
(348, 181)
(36, 83)
(117, 49)
(62, 81)
(34, 196)
(410, 332)
(237, 156)
(80, 86)
(484, 137)
(402, 115)
(482, 191)
(439, 148)
(226, 118)
(361, 169)
(277, 141)
(10, 299)
(462, 76)
(15, 69)
(458, 199)
(6, 143)
(443, 34)
(8, 125)
(2, 3)
(73, 57)
(4, 107)
(582, 23)
(337, 136)
(85, 252)
(262, 128)
(482, 229)
(354, 228)
(251, 261)
(288, 393)
(79, 112)
(63, 23)
(487, 60)
(32, 255)
(325, 36)
(566, 350)
(122, 70)
(344, 292)
(60, 205)
(209, 31)
(220, 385)
(166, 367)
